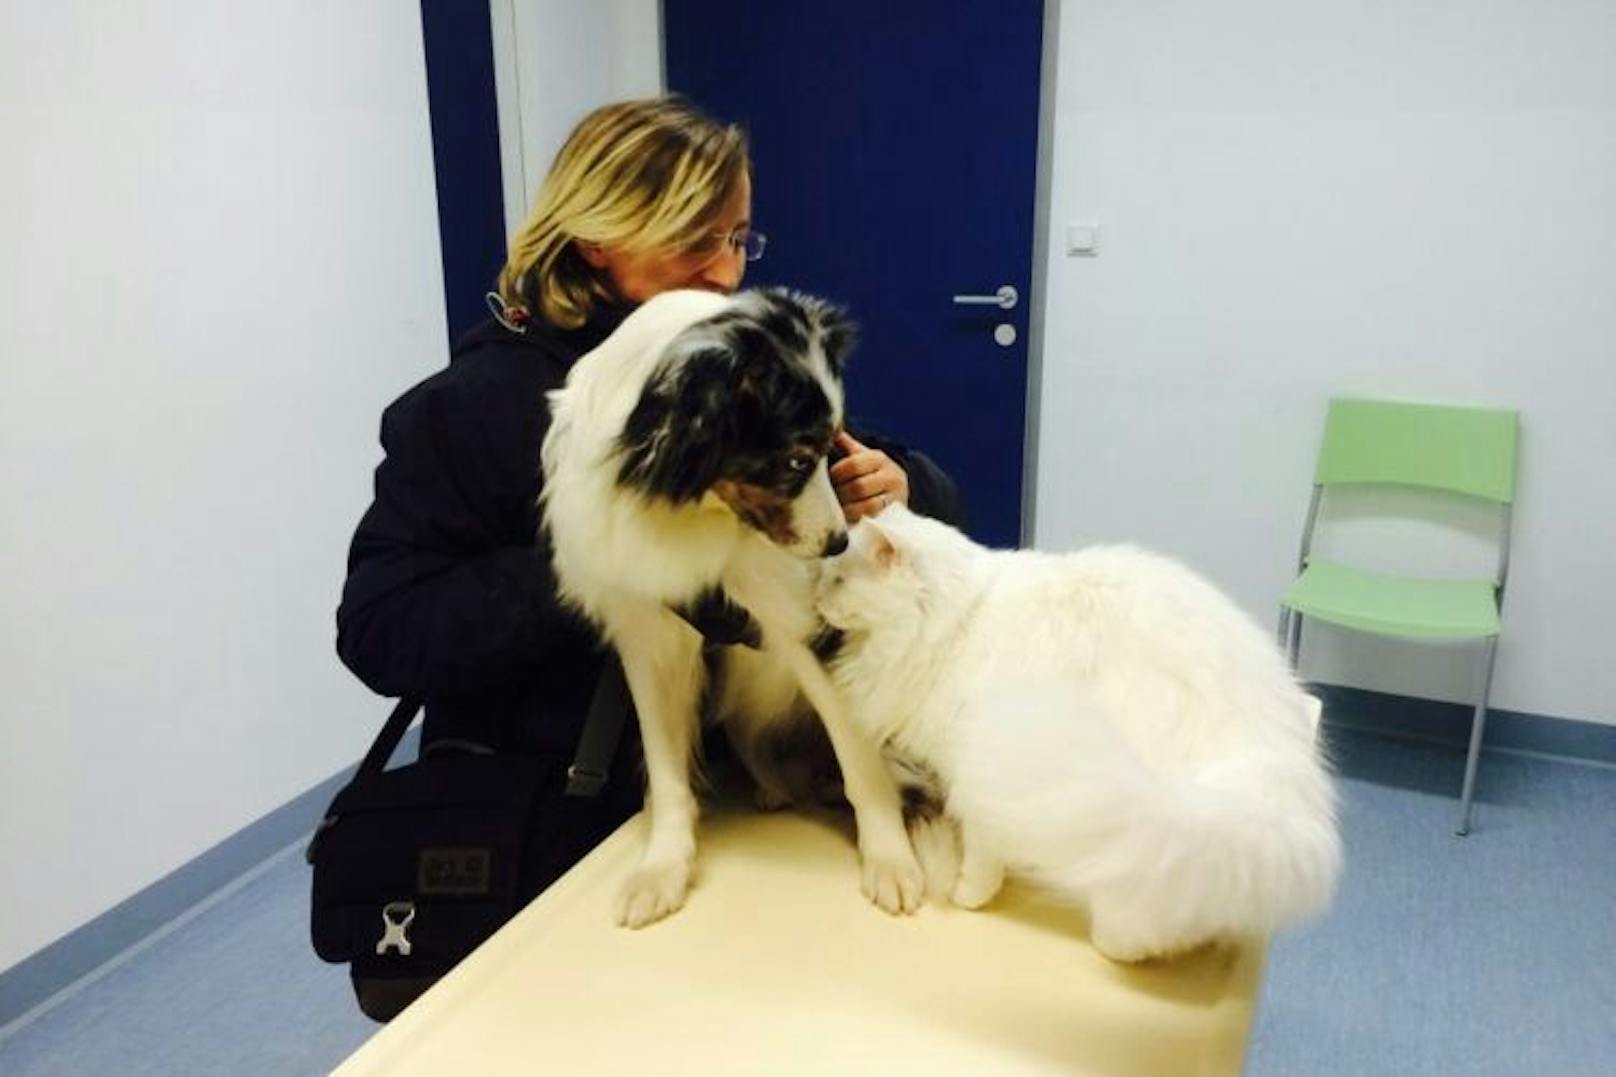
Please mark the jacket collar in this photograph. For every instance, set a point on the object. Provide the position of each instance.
(571, 343)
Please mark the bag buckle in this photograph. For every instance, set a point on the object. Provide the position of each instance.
(585, 781)
(397, 916)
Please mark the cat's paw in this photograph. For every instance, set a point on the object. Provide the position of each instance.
(653, 891)
(1127, 941)
(894, 881)
(1122, 951)
(975, 891)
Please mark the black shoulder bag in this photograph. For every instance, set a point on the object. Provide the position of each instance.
(416, 866)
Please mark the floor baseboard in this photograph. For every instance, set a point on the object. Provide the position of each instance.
(79, 955)
(1449, 723)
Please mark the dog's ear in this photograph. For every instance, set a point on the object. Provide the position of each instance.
(674, 443)
(837, 335)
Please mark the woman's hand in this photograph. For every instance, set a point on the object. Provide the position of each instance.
(866, 480)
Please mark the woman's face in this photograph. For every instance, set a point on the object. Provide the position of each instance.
(715, 265)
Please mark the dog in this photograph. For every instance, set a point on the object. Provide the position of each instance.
(686, 464)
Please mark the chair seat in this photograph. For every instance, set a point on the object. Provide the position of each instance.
(1394, 605)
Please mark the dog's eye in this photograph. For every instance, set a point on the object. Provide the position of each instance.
(800, 461)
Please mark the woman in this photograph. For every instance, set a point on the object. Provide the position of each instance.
(450, 595)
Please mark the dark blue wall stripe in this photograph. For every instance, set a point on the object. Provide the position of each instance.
(36, 978)
(1449, 723)
(465, 153)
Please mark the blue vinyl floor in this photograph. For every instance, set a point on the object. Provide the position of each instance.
(1494, 954)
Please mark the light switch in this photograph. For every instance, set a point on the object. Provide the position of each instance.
(1083, 237)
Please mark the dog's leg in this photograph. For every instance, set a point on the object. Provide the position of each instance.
(770, 790)
(662, 664)
(755, 696)
(891, 875)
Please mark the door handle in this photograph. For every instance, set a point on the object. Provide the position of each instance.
(1005, 299)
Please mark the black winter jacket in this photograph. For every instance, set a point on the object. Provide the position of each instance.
(450, 594)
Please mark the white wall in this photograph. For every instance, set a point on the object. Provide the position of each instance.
(1304, 199)
(220, 262)
(554, 61)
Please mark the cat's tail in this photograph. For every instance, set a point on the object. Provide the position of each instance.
(1245, 845)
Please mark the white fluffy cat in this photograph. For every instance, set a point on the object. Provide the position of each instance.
(1103, 722)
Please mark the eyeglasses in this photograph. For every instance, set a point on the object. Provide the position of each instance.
(743, 240)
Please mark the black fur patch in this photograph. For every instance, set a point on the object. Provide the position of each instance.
(736, 399)
(837, 337)
(828, 644)
(674, 441)
(721, 620)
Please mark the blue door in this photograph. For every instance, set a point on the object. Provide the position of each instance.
(895, 147)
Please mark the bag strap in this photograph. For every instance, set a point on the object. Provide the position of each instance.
(603, 728)
(597, 745)
(591, 766)
(386, 742)
(381, 750)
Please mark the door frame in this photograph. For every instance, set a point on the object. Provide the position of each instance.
(1043, 193)
(523, 164)
(518, 184)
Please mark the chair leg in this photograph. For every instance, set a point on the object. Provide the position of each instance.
(1284, 627)
(1478, 722)
(1296, 642)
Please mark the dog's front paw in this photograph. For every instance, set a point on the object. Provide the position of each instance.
(654, 890)
(894, 881)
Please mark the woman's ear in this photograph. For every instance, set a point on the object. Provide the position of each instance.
(592, 253)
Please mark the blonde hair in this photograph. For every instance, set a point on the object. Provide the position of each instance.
(637, 176)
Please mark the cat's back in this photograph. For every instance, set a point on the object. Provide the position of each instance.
(1094, 579)
(1128, 579)
(1126, 612)
(1038, 611)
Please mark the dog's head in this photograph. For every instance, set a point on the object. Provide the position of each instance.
(745, 405)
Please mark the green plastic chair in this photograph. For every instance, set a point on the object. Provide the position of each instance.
(1468, 451)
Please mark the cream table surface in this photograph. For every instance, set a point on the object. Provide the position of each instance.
(777, 965)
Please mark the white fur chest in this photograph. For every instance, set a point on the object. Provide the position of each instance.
(897, 691)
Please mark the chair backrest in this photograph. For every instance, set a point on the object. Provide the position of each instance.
(1466, 450)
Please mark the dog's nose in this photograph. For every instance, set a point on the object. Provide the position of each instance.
(835, 544)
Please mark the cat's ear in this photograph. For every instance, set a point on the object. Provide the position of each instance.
(883, 551)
